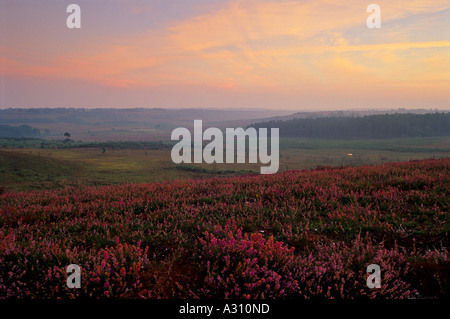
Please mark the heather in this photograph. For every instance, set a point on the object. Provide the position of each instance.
(296, 234)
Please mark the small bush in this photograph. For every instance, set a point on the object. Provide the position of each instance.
(246, 266)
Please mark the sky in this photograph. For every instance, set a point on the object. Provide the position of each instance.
(276, 54)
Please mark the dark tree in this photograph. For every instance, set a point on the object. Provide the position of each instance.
(67, 135)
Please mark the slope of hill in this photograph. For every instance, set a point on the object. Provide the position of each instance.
(297, 234)
(31, 171)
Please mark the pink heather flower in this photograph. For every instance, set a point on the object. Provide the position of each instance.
(123, 272)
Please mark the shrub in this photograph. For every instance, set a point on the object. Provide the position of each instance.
(246, 266)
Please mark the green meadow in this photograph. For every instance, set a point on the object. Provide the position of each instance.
(25, 165)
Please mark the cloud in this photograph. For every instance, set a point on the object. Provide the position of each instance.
(282, 46)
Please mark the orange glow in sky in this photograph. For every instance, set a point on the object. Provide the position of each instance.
(254, 53)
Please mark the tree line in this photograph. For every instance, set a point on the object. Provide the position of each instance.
(365, 127)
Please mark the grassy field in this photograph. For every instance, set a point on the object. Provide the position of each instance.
(24, 166)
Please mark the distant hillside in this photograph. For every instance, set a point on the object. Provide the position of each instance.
(369, 127)
(128, 118)
(111, 124)
(19, 131)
